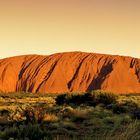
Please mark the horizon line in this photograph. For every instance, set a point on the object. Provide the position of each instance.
(29, 54)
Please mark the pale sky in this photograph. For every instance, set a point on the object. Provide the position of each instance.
(51, 26)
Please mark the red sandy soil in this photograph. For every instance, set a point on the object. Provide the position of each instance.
(70, 72)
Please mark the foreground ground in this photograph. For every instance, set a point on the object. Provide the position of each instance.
(87, 116)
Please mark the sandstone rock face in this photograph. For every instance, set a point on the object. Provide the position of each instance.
(70, 72)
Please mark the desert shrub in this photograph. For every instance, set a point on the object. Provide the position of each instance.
(30, 116)
(39, 114)
(90, 98)
(61, 99)
(125, 107)
(75, 99)
(117, 108)
(131, 105)
(105, 97)
(4, 112)
(99, 97)
(136, 114)
(70, 99)
(126, 119)
(33, 115)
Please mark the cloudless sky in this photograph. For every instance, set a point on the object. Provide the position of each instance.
(50, 26)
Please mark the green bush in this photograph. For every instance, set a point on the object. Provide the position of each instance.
(69, 99)
(118, 108)
(90, 98)
(61, 99)
(136, 114)
(126, 107)
(105, 97)
(131, 105)
(100, 97)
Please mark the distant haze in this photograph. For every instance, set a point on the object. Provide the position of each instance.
(50, 26)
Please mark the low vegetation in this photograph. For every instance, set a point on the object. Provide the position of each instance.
(95, 115)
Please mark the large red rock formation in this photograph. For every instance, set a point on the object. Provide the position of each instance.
(70, 72)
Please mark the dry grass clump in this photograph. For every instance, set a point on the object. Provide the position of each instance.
(79, 114)
(48, 117)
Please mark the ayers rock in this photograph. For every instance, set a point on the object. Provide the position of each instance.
(70, 72)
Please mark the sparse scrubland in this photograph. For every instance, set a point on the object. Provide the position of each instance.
(95, 115)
